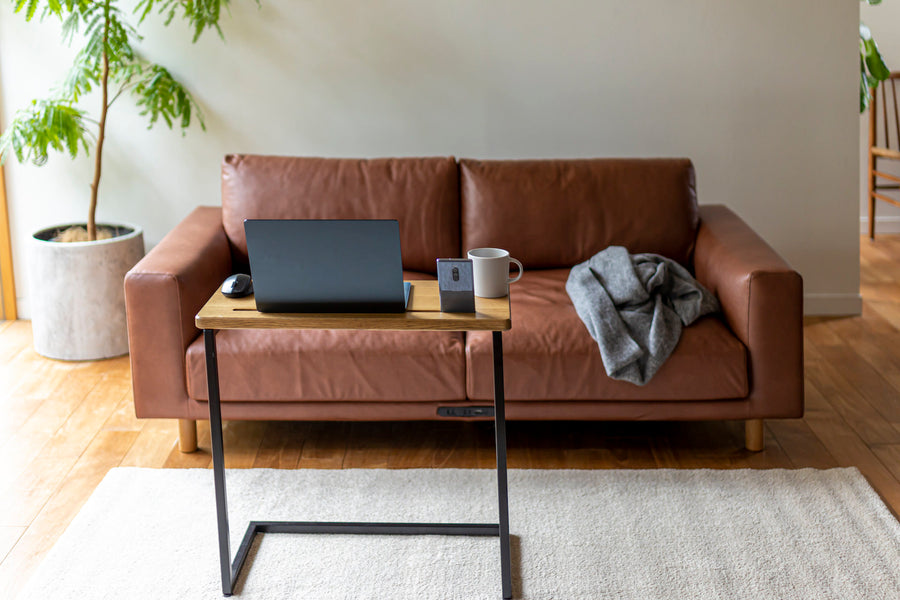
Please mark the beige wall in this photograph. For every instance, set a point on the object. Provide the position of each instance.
(761, 94)
(882, 19)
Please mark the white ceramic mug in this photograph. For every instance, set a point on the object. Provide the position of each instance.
(491, 272)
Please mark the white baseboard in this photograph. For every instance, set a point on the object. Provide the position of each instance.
(886, 224)
(23, 311)
(832, 304)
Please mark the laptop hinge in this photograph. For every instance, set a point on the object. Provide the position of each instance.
(465, 411)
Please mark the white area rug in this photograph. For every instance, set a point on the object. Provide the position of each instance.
(645, 535)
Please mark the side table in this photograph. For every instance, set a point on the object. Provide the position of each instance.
(423, 314)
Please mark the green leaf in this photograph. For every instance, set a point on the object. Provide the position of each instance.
(144, 7)
(161, 96)
(872, 67)
(874, 61)
(201, 15)
(50, 7)
(70, 27)
(45, 125)
(864, 97)
(32, 7)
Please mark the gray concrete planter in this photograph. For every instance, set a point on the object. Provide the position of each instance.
(77, 293)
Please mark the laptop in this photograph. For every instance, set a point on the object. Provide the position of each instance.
(326, 265)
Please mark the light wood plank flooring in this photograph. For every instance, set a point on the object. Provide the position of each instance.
(64, 425)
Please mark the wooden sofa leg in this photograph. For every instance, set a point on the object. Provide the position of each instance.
(187, 435)
(754, 435)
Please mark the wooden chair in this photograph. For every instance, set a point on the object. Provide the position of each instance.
(884, 149)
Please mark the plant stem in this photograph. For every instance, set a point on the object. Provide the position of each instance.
(101, 134)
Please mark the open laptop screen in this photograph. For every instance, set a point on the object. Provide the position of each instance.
(325, 265)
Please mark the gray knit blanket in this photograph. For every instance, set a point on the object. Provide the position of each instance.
(635, 306)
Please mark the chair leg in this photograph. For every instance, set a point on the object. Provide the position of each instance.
(754, 435)
(187, 435)
(873, 164)
(871, 217)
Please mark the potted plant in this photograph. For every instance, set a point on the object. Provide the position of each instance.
(73, 257)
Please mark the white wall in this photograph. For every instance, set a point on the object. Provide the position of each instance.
(761, 94)
(882, 19)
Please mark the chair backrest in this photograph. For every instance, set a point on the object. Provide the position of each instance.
(884, 115)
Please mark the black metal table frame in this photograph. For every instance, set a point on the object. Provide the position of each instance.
(232, 569)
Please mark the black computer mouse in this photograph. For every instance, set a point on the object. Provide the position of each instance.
(237, 286)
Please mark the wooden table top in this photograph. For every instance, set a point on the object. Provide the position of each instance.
(424, 314)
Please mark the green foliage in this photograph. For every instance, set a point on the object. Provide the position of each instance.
(201, 14)
(107, 61)
(872, 69)
(55, 123)
(159, 95)
(43, 126)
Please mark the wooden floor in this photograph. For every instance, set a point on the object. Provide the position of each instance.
(64, 425)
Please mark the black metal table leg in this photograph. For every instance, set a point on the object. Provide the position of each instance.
(502, 488)
(230, 570)
(218, 454)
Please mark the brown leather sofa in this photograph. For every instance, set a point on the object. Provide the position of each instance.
(744, 364)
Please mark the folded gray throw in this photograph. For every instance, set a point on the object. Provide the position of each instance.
(635, 306)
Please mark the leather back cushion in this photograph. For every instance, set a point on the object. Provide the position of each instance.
(421, 193)
(557, 213)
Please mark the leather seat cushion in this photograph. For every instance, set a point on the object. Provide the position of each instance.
(549, 355)
(290, 365)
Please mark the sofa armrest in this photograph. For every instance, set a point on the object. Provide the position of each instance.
(762, 301)
(163, 292)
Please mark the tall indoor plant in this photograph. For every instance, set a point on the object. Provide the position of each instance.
(108, 65)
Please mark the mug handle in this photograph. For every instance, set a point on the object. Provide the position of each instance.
(521, 271)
